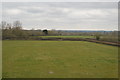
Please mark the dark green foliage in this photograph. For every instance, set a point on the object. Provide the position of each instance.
(45, 32)
(97, 37)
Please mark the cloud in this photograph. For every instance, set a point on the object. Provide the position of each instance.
(65, 15)
(13, 11)
(60, 0)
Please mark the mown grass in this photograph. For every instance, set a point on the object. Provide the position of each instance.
(59, 59)
(67, 36)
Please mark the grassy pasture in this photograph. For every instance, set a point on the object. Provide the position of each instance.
(67, 36)
(59, 59)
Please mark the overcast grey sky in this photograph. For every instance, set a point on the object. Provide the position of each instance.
(63, 15)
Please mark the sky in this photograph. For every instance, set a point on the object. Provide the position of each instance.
(59, 0)
(63, 15)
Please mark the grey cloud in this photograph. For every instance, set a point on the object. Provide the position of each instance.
(63, 15)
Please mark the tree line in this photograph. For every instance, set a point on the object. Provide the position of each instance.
(13, 31)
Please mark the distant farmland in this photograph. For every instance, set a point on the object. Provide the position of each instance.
(67, 36)
(59, 59)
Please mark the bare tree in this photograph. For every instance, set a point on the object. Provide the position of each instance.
(4, 24)
(17, 25)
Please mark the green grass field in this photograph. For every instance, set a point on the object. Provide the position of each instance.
(59, 59)
(67, 36)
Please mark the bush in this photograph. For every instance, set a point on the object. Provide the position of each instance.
(97, 37)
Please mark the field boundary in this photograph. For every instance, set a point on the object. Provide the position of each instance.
(81, 39)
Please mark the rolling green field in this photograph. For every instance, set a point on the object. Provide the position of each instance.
(67, 36)
(59, 59)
